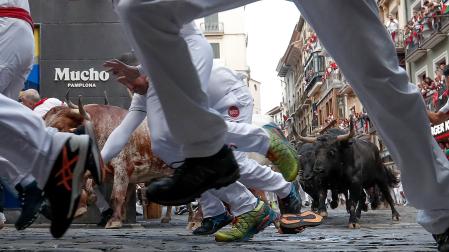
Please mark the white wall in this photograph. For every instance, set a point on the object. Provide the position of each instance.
(254, 87)
(233, 51)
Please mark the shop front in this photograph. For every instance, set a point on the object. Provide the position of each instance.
(73, 40)
(441, 134)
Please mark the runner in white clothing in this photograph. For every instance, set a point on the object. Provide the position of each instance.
(32, 100)
(230, 96)
(443, 114)
(394, 105)
(38, 161)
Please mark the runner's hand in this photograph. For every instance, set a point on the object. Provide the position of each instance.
(139, 85)
(121, 69)
(128, 76)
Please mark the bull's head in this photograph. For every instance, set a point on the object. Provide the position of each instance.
(79, 107)
(327, 154)
(67, 119)
(306, 154)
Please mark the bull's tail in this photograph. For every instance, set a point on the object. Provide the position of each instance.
(392, 179)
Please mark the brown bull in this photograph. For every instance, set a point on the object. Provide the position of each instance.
(134, 164)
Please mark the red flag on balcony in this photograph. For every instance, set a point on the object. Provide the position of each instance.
(333, 65)
(435, 98)
(444, 8)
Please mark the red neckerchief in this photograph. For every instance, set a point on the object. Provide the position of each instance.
(19, 13)
(40, 102)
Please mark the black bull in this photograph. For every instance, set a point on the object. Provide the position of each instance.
(342, 166)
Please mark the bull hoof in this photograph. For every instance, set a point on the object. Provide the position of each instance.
(396, 218)
(365, 207)
(323, 214)
(165, 220)
(354, 226)
(192, 225)
(114, 225)
(334, 204)
(80, 212)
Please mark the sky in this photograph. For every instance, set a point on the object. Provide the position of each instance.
(269, 24)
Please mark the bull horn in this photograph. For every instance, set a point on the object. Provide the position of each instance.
(350, 134)
(81, 109)
(67, 100)
(106, 100)
(307, 139)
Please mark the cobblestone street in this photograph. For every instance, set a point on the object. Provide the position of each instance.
(378, 232)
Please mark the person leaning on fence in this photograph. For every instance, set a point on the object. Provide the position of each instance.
(443, 114)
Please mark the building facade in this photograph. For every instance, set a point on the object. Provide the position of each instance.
(315, 94)
(427, 47)
(73, 39)
(227, 35)
(254, 88)
(290, 68)
(277, 115)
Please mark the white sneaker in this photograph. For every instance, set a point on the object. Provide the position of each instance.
(2, 220)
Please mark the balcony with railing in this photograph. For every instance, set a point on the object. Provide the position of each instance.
(314, 71)
(425, 32)
(305, 101)
(435, 99)
(398, 39)
(212, 28)
(335, 80)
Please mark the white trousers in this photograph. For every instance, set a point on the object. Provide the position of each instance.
(394, 105)
(163, 142)
(26, 143)
(16, 55)
(252, 174)
(199, 131)
(236, 195)
(27, 147)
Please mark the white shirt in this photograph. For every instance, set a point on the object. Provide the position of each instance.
(15, 3)
(222, 81)
(48, 104)
(139, 103)
(392, 26)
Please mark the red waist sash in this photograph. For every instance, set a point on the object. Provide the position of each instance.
(19, 13)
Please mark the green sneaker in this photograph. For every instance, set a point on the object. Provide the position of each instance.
(248, 224)
(282, 153)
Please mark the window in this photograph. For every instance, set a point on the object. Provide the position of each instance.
(421, 74)
(353, 110)
(212, 19)
(440, 61)
(211, 23)
(255, 87)
(216, 49)
(415, 6)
